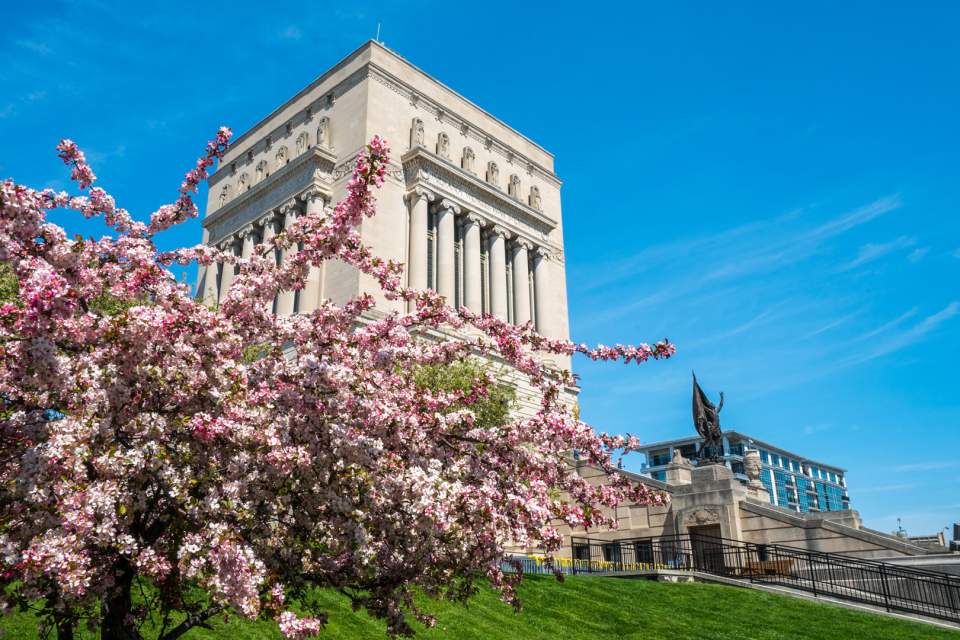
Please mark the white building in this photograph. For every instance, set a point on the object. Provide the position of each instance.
(470, 205)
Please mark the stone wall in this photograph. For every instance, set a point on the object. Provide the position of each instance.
(711, 496)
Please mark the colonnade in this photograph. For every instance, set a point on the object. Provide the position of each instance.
(501, 245)
(242, 242)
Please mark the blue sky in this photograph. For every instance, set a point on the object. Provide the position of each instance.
(775, 189)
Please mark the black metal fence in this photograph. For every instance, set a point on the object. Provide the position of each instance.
(893, 587)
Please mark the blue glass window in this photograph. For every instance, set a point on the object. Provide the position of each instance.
(802, 486)
(784, 489)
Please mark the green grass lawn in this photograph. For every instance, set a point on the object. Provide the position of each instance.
(590, 607)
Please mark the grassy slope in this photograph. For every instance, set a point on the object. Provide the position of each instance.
(596, 608)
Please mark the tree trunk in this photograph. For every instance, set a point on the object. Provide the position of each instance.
(117, 623)
(64, 629)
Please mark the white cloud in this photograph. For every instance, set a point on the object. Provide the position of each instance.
(886, 487)
(36, 46)
(927, 466)
(871, 252)
(909, 337)
(917, 254)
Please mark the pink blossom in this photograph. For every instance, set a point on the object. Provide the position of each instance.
(251, 453)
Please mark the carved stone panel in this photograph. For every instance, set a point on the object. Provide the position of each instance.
(702, 516)
(422, 170)
(416, 133)
(323, 133)
(535, 198)
(513, 187)
(493, 174)
(468, 159)
(443, 145)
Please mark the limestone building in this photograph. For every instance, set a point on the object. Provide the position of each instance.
(470, 205)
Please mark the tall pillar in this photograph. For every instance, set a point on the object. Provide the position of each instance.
(498, 272)
(521, 281)
(248, 241)
(208, 295)
(541, 292)
(310, 296)
(229, 245)
(472, 279)
(207, 285)
(446, 269)
(285, 301)
(269, 231)
(419, 221)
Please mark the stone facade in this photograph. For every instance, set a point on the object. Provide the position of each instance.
(470, 206)
(711, 500)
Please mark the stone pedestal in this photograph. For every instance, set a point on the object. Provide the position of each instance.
(710, 503)
(679, 473)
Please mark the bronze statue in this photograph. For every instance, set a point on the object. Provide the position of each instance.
(706, 418)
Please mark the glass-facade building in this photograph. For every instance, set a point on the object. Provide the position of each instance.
(793, 481)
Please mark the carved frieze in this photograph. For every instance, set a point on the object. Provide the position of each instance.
(701, 516)
(312, 170)
(422, 168)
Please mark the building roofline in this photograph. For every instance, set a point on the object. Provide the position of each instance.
(369, 44)
(756, 441)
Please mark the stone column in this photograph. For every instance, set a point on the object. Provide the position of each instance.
(498, 272)
(472, 279)
(269, 231)
(285, 301)
(541, 292)
(419, 216)
(521, 281)
(207, 282)
(446, 269)
(248, 241)
(229, 245)
(310, 296)
(209, 292)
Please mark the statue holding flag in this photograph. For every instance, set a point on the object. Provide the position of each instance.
(706, 418)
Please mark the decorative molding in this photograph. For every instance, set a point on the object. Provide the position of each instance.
(271, 218)
(420, 192)
(310, 171)
(385, 78)
(422, 168)
(523, 243)
(542, 252)
(701, 516)
(345, 168)
(311, 192)
(398, 86)
(449, 205)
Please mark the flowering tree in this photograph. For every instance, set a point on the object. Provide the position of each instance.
(223, 460)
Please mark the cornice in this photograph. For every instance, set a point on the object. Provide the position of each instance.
(323, 161)
(461, 124)
(420, 160)
(394, 171)
(371, 70)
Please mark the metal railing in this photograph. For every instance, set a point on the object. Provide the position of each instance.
(892, 587)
